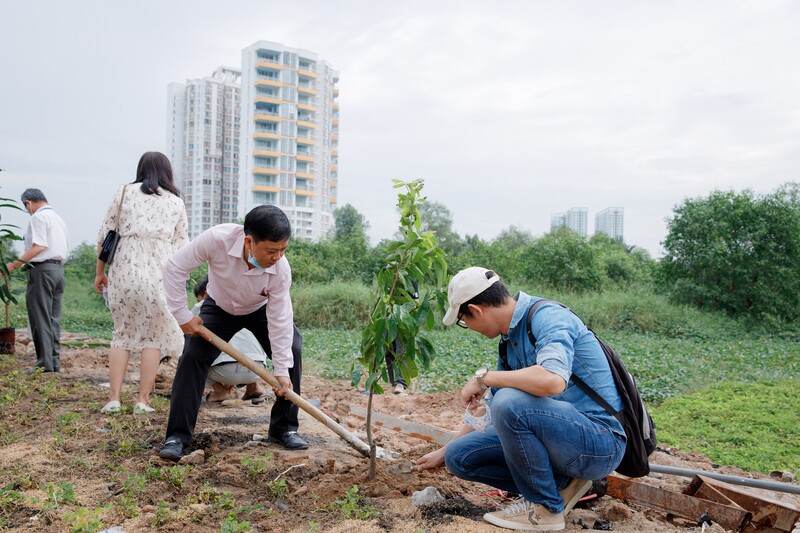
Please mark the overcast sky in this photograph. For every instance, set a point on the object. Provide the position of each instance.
(510, 111)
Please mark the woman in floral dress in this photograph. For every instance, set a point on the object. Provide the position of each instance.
(152, 226)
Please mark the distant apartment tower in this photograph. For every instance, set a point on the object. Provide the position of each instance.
(289, 136)
(557, 220)
(609, 221)
(576, 220)
(203, 120)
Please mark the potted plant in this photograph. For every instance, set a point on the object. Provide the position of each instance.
(7, 235)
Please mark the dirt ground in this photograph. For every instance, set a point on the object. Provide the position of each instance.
(97, 453)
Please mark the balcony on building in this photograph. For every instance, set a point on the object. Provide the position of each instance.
(306, 107)
(267, 65)
(266, 153)
(306, 89)
(303, 140)
(266, 171)
(267, 135)
(267, 100)
(306, 73)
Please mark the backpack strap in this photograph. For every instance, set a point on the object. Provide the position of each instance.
(578, 381)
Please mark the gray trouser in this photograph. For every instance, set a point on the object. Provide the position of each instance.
(231, 374)
(43, 298)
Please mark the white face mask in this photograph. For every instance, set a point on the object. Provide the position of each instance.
(254, 262)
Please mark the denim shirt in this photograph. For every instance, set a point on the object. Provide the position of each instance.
(564, 345)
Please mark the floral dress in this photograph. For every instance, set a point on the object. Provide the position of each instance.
(152, 227)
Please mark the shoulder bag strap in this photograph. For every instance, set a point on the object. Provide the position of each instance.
(578, 381)
(119, 207)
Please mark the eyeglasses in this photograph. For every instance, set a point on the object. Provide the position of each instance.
(460, 322)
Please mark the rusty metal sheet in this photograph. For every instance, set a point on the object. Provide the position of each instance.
(683, 505)
(421, 431)
(767, 512)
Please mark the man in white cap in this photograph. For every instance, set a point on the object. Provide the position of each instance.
(547, 437)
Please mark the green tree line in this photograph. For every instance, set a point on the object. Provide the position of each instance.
(735, 252)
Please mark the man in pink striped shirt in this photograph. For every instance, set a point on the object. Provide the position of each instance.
(248, 287)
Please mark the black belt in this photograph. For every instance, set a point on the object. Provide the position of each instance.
(32, 264)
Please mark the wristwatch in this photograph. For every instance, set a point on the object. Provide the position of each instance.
(479, 374)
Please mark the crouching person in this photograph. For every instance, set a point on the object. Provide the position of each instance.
(547, 438)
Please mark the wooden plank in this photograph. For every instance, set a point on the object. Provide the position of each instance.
(420, 431)
(767, 512)
(683, 505)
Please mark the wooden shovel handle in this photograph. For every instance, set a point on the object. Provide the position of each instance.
(289, 394)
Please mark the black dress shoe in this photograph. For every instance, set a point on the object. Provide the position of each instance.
(289, 440)
(172, 450)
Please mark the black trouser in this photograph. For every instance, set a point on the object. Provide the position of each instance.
(198, 354)
(43, 298)
(398, 349)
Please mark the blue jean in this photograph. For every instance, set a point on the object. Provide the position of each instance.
(535, 447)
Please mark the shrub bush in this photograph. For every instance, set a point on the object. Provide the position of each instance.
(331, 306)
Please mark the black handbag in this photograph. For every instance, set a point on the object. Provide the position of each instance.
(109, 246)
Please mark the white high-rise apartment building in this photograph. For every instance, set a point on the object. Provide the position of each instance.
(203, 122)
(289, 136)
(557, 220)
(576, 219)
(609, 221)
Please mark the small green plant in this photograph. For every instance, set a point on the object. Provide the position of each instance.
(398, 318)
(225, 501)
(83, 520)
(162, 514)
(126, 448)
(135, 485)
(231, 524)
(10, 499)
(279, 488)
(313, 527)
(353, 506)
(59, 493)
(127, 507)
(205, 494)
(256, 467)
(176, 475)
(65, 419)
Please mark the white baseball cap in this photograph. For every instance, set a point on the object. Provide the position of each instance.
(465, 286)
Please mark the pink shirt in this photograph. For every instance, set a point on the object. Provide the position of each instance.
(236, 289)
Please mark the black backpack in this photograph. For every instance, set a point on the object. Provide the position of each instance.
(639, 427)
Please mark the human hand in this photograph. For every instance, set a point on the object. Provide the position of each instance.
(286, 384)
(429, 461)
(471, 394)
(192, 327)
(100, 281)
(11, 266)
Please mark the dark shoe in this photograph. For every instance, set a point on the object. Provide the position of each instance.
(172, 450)
(289, 440)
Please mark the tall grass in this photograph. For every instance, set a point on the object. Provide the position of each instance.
(332, 306)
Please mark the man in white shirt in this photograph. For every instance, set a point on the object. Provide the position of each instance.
(248, 288)
(44, 256)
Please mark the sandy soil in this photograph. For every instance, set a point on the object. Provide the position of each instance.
(90, 453)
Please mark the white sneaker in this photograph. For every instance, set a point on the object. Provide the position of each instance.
(139, 409)
(399, 388)
(111, 407)
(526, 516)
(572, 493)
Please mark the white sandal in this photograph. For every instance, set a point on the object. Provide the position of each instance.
(111, 407)
(139, 409)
